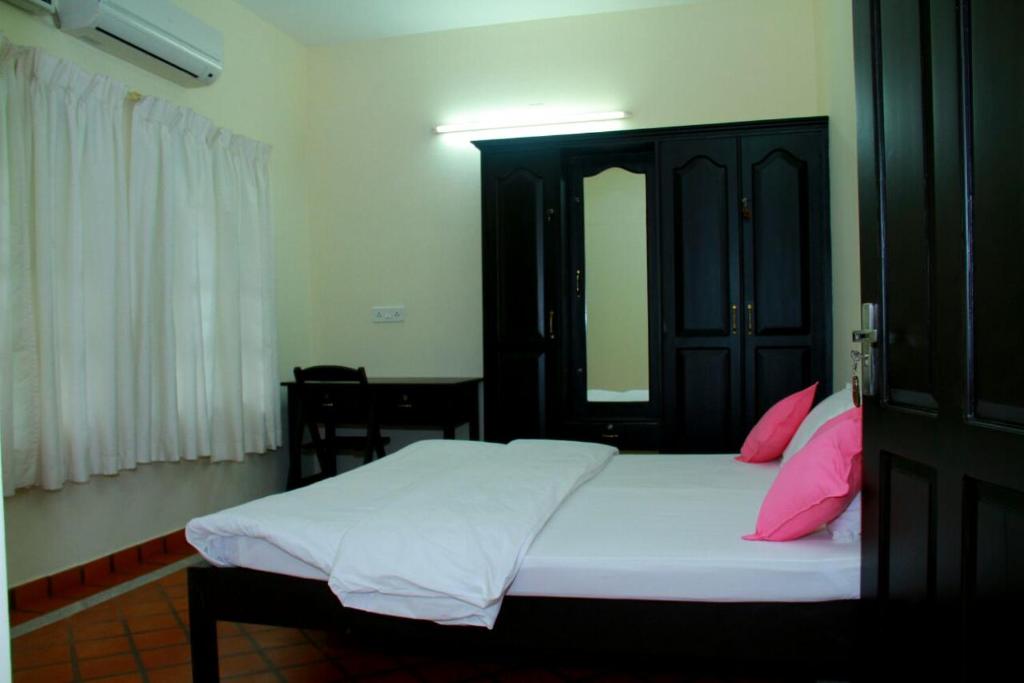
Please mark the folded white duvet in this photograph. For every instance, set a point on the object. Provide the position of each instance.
(434, 531)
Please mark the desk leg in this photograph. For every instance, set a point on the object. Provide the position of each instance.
(474, 427)
(294, 438)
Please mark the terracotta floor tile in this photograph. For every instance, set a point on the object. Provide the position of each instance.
(178, 590)
(107, 666)
(162, 638)
(122, 678)
(320, 672)
(145, 609)
(279, 637)
(294, 654)
(165, 656)
(43, 637)
(183, 616)
(151, 622)
(101, 629)
(27, 658)
(105, 611)
(102, 647)
(54, 673)
(172, 674)
(265, 677)
(179, 603)
(242, 664)
(234, 645)
(176, 579)
(400, 677)
(254, 628)
(226, 628)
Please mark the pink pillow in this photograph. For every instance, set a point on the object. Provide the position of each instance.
(816, 484)
(769, 437)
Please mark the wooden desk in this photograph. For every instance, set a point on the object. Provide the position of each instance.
(412, 402)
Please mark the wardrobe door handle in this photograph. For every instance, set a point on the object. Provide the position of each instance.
(551, 324)
(732, 315)
(750, 319)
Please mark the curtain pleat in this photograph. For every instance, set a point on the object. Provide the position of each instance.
(136, 280)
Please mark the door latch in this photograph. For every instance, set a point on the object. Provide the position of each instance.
(867, 337)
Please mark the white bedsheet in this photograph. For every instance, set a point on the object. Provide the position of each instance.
(435, 531)
(657, 527)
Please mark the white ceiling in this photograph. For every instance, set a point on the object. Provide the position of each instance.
(320, 22)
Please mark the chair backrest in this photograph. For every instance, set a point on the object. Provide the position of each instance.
(328, 399)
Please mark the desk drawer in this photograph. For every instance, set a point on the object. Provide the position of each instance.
(411, 405)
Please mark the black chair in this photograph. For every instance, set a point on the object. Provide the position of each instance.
(334, 397)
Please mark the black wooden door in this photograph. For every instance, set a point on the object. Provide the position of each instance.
(521, 218)
(702, 316)
(786, 269)
(940, 140)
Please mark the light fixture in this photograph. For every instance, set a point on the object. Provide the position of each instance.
(528, 119)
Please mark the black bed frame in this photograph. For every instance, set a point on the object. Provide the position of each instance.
(818, 639)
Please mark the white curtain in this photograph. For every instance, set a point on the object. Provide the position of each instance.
(136, 301)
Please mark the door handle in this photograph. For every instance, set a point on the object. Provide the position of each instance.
(579, 282)
(750, 319)
(551, 324)
(867, 337)
(733, 316)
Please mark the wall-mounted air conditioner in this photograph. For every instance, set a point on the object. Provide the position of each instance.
(154, 34)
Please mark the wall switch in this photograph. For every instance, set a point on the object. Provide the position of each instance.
(388, 314)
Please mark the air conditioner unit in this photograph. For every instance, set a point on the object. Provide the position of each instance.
(34, 6)
(153, 34)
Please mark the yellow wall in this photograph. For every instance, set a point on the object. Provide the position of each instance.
(395, 213)
(263, 94)
(834, 20)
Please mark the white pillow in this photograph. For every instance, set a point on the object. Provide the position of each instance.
(834, 405)
(846, 527)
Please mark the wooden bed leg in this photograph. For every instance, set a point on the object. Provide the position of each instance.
(203, 629)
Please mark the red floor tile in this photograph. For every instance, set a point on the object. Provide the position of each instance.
(294, 654)
(41, 656)
(55, 673)
(160, 638)
(165, 656)
(91, 669)
(320, 672)
(102, 647)
(242, 664)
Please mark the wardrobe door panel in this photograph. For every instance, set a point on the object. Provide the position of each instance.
(787, 317)
(701, 247)
(779, 234)
(779, 372)
(520, 239)
(704, 380)
(519, 228)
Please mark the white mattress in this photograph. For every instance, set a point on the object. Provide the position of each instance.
(656, 527)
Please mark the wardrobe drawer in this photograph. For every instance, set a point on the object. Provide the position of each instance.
(626, 436)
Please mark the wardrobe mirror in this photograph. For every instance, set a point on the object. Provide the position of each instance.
(615, 296)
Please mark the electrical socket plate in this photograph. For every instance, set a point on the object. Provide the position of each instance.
(388, 314)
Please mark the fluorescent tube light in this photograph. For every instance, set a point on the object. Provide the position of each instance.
(521, 121)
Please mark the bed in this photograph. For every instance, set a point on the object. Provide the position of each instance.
(644, 556)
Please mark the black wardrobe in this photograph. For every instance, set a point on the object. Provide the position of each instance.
(654, 289)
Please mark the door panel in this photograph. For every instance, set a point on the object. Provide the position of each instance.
(519, 224)
(704, 380)
(779, 372)
(521, 218)
(699, 209)
(997, 133)
(703, 247)
(908, 215)
(939, 145)
(786, 258)
(780, 235)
